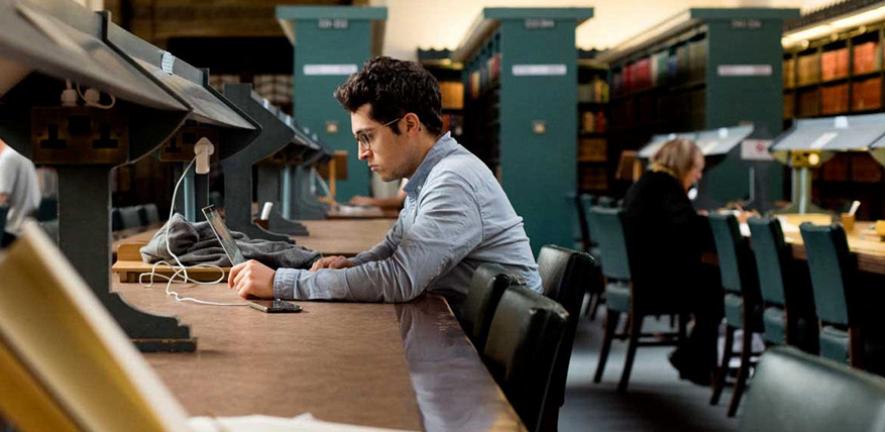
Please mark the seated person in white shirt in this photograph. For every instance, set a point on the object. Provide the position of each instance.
(456, 215)
(19, 190)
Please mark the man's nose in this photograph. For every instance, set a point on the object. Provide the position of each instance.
(362, 154)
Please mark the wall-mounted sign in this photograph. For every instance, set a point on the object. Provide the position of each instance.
(742, 70)
(756, 149)
(539, 70)
(330, 69)
(539, 23)
(333, 24)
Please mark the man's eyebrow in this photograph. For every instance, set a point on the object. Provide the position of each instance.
(361, 131)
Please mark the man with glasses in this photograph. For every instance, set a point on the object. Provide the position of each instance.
(456, 215)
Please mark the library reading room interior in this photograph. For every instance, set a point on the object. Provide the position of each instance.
(427, 215)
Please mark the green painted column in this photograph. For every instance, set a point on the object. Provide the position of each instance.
(537, 112)
(330, 44)
(744, 84)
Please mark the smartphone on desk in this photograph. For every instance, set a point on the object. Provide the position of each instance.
(274, 306)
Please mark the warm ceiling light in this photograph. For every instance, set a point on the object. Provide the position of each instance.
(815, 32)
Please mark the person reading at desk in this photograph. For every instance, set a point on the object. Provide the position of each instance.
(456, 215)
(666, 237)
(393, 203)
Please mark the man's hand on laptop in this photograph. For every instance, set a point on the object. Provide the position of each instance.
(252, 278)
(331, 262)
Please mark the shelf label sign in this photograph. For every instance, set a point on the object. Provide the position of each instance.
(743, 70)
(330, 69)
(333, 24)
(539, 23)
(750, 24)
(756, 149)
(539, 70)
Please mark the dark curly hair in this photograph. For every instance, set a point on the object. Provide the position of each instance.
(394, 88)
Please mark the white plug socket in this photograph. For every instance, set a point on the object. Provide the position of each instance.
(69, 98)
(203, 149)
(92, 96)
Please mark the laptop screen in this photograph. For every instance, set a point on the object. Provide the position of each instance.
(223, 235)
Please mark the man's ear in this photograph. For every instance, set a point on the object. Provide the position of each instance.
(413, 123)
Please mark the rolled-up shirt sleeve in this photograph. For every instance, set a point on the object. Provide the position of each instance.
(447, 227)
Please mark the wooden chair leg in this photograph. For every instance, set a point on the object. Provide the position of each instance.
(635, 330)
(722, 372)
(743, 372)
(611, 323)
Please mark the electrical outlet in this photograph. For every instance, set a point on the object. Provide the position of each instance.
(81, 135)
(180, 147)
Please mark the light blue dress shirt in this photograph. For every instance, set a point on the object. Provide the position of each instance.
(456, 217)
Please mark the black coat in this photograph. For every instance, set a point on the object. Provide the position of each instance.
(664, 233)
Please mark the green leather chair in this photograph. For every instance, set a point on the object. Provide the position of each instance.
(130, 217)
(788, 315)
(743, 303)
(565, 276)
(596, 286)
(521, 350)
(833, 272)
(486, 288)
(48, 209)
(625, 297)
(797, 392)
(149, 214)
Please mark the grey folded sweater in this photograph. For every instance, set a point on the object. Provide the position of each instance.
(195, 243)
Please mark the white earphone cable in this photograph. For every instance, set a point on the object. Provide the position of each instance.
(181, 269)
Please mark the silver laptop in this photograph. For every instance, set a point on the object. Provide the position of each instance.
(233, 252)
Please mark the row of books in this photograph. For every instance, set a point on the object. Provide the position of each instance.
(485, 76)
(835, 99)
(276, 88)
(683, 63)
(594, 91)
(592, 150)
(452, 94)
(453, 123)
(593, 122)
(592, 178)
(676, 110)
(832, 64)
(855, 167)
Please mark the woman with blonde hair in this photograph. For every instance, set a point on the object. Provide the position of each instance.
(666, 237)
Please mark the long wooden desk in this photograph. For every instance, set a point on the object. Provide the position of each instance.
(862, 241)
(346, 237)
(405, 366)
(870, 250)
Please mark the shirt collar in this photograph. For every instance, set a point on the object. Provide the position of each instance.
(440, 149)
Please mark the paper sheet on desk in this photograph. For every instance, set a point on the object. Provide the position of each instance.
(259, 423)
(786, 227)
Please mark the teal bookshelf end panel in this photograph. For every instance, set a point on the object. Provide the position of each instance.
(744, 79)
(538, 117)
(331, 43)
